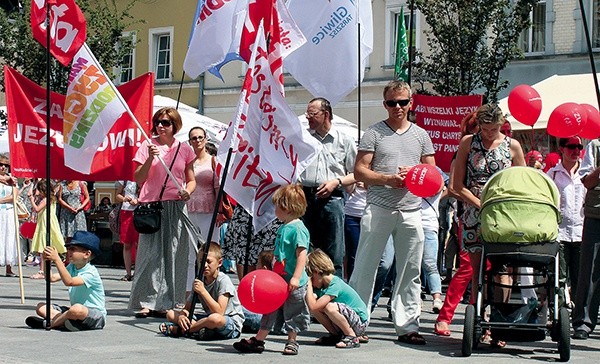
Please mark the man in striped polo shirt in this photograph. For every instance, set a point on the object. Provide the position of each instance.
(386, 152)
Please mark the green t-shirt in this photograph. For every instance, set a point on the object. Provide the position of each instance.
(343, 293)
(291, 236)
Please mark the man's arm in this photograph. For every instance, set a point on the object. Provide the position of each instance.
(363, 173)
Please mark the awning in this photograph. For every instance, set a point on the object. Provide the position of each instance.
(554, 91)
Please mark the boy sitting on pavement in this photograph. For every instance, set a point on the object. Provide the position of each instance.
(86, 291)
(335, 304)
(224, 317)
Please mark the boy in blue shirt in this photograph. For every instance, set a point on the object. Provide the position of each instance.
(335, 304)
(291, 245)
(86, 291)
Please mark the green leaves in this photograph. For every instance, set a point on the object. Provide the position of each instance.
(471, 41)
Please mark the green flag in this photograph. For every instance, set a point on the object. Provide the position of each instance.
(401, 65)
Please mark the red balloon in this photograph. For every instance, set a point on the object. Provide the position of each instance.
(525, 104)
(566, 120)
(424, 180)
(591, 130)
(27, 229)
(262, 291)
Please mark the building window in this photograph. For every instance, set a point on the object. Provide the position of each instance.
(533, 39)
(595, 23)
(393, 23)
(161, 53)
(125, 71)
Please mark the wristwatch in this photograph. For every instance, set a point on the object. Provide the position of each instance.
(340, 185)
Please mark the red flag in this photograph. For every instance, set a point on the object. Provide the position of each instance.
(26, 104)
(67, 27)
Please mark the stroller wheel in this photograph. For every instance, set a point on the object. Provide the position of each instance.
(564, 339)
(469, 339)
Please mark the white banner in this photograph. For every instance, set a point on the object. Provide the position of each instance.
(91, 108)
(270, 147)
(327, 64)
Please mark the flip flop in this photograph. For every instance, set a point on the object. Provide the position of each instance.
(412, 338)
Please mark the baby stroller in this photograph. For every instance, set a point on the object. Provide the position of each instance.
(519, 225)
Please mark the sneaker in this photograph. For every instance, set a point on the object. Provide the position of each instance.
(249, 346)
(437, 305)
(70, 326)
(35, 322)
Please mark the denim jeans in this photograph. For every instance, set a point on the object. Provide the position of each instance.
(351, 235)
(324, 219)
(587, 301)
(429, 263)
(384, 270)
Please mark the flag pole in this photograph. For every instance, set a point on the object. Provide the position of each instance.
(48, 187)
(410, 40)
(359, 93)
(18, 241)
(130, 113)
(589, 49)
(213, 220)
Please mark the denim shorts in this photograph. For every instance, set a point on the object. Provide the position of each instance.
(94, 320)
(228, 331)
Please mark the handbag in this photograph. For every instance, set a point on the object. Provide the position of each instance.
(114, 219)
(88, 205)
(225, 212)
(147, 216)
(22, 212)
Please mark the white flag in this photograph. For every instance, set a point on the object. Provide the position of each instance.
(327, 64)
(92, 106)
(270, 146)
(217, 29)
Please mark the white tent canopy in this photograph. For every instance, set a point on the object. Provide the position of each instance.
(554, 91)
(338, 122)
(190, 117)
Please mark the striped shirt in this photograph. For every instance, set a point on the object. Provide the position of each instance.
(390, 151)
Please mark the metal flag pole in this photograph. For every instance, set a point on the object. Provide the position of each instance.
(48, 187)
(586, 31)
(410, 40)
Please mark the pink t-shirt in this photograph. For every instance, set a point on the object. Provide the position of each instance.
(204, 197)
(156, 175)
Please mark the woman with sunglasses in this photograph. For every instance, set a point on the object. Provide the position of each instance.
(202, 202)
(572, 194)
(161, 263)
(8, 244)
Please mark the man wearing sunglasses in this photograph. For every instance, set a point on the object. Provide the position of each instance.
(386, 152)
(585, 314)
(323, 180)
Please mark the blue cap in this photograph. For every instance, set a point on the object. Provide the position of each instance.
(86, 240)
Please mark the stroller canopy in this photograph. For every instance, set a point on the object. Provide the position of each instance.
(519, 205)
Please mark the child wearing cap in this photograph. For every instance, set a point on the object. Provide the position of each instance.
(86, 291)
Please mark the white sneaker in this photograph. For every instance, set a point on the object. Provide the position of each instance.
(437, 305)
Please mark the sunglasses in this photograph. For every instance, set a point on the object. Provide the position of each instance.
(164, 122)
(394, 103)
(574, 146)
(197, 138)
(4, 165)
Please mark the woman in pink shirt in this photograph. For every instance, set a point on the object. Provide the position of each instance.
(162, 258)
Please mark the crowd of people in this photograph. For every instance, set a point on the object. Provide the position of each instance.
(347, 225)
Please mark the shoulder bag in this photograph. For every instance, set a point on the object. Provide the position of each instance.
(147, 216)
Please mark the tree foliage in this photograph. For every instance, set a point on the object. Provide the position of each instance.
(471, 42)
(105, 25)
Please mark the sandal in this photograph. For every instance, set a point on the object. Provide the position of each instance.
(441, 332)
(413, 338)
(127, 278)
(363, 339)
(348, 342)
(291, 348)
(328, 340)
(38, 275)
(169, 329)
(250, 346)
(497, 343)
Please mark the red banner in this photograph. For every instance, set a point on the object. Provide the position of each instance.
(67, 27)
(26, 104)
(441, 117)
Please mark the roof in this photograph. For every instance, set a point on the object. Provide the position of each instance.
(554, 91)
